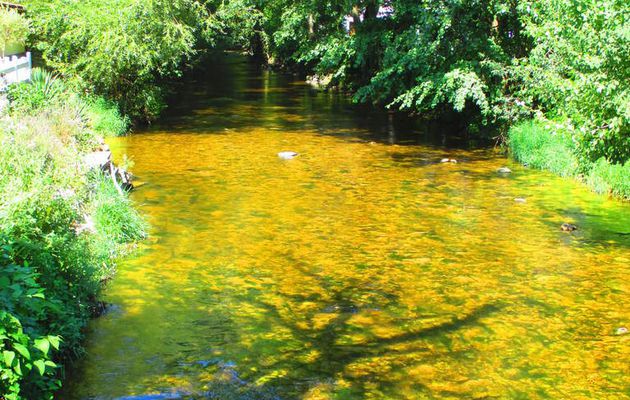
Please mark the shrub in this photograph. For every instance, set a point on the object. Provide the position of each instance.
(26, 365)
(120, 55)
(54, 268)
(13, 29)
(43, 89)
(105, 118)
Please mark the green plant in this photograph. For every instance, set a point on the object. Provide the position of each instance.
(544, 145)
(609, 178)
(105, 118)
(14, 28)
(27, 370)
(120, 55)
(43, 89)
(51, 273)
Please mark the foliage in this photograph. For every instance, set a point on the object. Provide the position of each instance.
(13, 28)
(46, 91)
(57, 258)
(550, 145)
(106, 120)
(235, 24)
(43, 89)
(579, 69)
(26, 366)
(118, 49)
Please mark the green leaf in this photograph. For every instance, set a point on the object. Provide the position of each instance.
(40, 365)
(8, 357)
(22, 350)
(17, 367)
(43, 345)
(54, 341)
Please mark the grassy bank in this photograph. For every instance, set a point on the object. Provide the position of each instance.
(551, 146)
(62, 224)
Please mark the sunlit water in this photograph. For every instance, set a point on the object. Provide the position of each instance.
(362, 269)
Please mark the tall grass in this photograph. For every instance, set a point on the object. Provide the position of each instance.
(535, 143)
(546, 145)
(105, 118)
(610, 178)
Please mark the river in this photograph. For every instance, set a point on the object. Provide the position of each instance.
(364, 268)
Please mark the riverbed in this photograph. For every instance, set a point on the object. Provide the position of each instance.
(364, 268)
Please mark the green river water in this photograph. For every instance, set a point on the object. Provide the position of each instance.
(362, 269)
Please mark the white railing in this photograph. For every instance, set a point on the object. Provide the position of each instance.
(14, 69)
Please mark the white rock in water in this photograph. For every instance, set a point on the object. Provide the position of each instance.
(448, 160)
(287, 155)
(504, 170)
(621, 331)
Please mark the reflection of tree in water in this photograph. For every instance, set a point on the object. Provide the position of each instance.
(324, 353)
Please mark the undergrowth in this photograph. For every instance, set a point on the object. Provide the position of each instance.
(62, 226)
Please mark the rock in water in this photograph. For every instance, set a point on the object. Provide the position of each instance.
(521, 200)
(448, 160)
(287, 155)
(504, 170)
(566, 227)
(621, 331)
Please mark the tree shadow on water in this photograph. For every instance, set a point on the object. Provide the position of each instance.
(325, 353)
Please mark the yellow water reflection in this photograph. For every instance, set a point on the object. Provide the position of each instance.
(358, 270)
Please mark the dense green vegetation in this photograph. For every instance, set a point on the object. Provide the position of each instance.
(13, 29)
(550, 146)
(493, 62)
(118, 49)
(61, 226)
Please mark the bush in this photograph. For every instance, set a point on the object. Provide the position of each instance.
(57, 257)
(26, 366)
(13, 29)
(105, 118)
(579, 69)
(42, 91)
(120, 55)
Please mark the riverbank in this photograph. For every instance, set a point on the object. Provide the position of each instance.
(63, 222)
(547, 145)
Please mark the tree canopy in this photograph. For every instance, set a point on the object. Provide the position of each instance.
(495, 61)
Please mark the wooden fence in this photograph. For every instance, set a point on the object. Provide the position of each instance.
(14, 69)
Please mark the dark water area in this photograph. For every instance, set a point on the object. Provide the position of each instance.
(364, 268)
